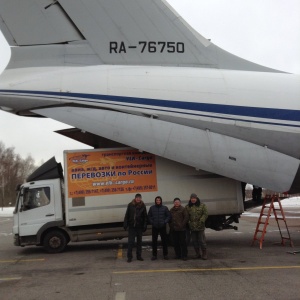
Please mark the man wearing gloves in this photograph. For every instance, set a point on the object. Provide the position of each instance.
(197, 212)
(136, 222)
(158, 217)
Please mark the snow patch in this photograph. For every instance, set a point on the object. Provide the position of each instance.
(6, 211)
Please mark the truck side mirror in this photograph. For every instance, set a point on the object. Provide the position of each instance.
(21, 197)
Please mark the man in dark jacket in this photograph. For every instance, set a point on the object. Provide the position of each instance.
(158, 217)
(179, 219)
(136, 222)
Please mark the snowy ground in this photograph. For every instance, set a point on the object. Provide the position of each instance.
(291, 207)
(6, 211)
(295, 202)
(286, 203)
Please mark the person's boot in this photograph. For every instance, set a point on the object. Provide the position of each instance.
(198, 255)
(204, 254)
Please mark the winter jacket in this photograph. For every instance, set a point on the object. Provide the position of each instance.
(136, 215)
(179, 218)
(159, 215)
(197, 215)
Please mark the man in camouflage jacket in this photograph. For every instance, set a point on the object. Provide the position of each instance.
(197, 216)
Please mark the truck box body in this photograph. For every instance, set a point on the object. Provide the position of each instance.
(166, 178)
(99, 184)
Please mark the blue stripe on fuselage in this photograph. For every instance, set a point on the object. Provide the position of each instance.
(246, 111)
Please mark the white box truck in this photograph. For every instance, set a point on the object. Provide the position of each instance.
(90, 201)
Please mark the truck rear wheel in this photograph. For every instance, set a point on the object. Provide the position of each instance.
(55, 241)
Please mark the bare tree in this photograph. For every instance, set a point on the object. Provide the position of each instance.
(13, 171)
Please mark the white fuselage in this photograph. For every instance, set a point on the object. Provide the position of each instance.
(259, 108)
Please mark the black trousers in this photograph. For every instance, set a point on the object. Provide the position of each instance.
(163, 235)
(179, 240)
(132, 234)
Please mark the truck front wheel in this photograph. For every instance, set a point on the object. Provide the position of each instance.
(55, 241)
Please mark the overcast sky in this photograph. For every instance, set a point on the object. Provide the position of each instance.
(265, 32)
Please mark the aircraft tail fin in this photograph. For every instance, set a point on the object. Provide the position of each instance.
(124, 32)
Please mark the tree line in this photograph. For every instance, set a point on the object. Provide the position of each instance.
(13, 171)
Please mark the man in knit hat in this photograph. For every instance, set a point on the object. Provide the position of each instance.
(136, 222)
(197, 212)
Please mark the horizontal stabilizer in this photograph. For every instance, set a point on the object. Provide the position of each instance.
(34, 22)
(89, 138)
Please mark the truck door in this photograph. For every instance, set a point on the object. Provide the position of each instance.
(36, 209)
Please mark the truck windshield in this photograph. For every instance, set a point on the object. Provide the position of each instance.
(36, 197)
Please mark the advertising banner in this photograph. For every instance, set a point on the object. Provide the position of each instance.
(93, 173)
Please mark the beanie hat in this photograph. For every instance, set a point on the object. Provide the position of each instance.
(176, 199)
(193, 195)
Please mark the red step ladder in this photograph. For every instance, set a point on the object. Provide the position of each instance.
(267, 208)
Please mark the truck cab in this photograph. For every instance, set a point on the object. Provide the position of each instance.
(39, 208)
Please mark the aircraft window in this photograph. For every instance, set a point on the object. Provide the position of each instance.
(34, 198)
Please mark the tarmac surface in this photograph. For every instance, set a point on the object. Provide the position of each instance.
(99, 270)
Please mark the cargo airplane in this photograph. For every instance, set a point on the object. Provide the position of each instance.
(133, 72)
